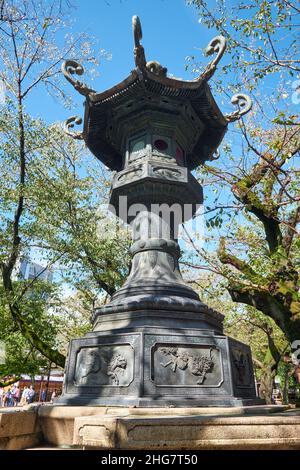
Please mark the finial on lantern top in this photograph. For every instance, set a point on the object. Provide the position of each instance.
(139, 52)
(137, 30)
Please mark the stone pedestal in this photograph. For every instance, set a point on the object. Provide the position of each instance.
(137, 359)
(191, 433)
(19, 428)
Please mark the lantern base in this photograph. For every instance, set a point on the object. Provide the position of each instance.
(158, 359)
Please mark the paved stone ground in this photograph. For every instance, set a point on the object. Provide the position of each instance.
(76, 428)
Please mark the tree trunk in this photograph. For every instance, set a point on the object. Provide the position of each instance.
(264, 302)
(285, 391)
(266, 384)
(269, 370)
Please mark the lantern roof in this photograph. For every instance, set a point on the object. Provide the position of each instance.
(150, 80)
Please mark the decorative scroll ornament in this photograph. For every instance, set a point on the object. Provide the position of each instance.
(69, 124)
(216, 46)
(167, 173)
(156, 68)
(215, 155)
(129, 175)
(244, 104)
(69, 68)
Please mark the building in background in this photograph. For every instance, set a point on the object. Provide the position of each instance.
(51, 382)
(30, 270)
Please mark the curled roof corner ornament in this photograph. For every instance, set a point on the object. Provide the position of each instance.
(71, 67)
(156, 68)
(214, 156)
(69, 124)
(139, 52)
(216, 46)
(244, 104)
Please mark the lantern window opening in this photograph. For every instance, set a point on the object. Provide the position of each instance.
(180, 155)
(137, 147)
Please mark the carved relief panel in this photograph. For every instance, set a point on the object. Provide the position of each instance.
(242, 369)
(110, 365)
(181, 365)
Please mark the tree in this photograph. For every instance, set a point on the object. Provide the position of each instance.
(257, 224)
(20, 355)
(267, 344)
(249, 326)
(61, 222)
(47, 200)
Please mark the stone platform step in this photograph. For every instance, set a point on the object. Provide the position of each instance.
(45, 447)
(60, 428)
(272, 427)
(192, 432)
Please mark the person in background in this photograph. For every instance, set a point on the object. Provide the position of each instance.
(1, 396)
(53, 395)
(8, 398)
(44, 395)
(30, 395)
(24, 396)
(16, 395)
(12, 389)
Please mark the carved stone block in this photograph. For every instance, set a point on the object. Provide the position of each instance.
(104, 365)
(187, 365)
(147, 366)
(150, 170)
(241, 365)
(184, 365)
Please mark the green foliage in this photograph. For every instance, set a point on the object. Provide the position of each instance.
(20, 355)
(63, 225)
(254, 206)
(261, 35)
(50, 195)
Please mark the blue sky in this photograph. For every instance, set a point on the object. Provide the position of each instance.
(171, 32)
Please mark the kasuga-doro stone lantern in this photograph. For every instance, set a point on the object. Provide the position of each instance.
(156, 343)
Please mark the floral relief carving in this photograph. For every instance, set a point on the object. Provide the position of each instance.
(197, 364)
(167, 172)
(130, 174)
(241, 364)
